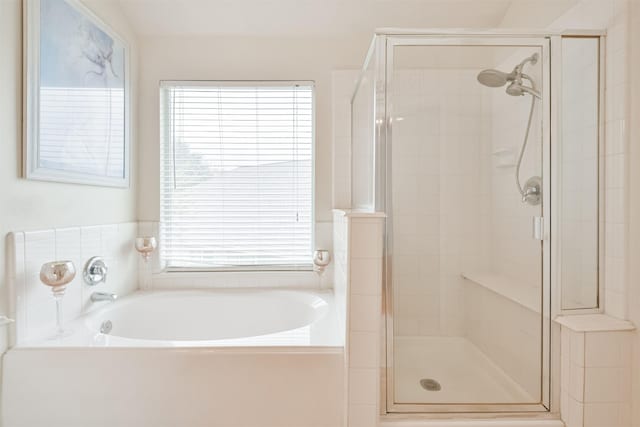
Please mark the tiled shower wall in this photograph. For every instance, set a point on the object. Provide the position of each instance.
(511, 257)
(34, 308)
(343, 84)
(446, 190)
(514, 254)
(435, 198)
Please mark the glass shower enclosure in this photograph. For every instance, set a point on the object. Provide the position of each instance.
(451, 138)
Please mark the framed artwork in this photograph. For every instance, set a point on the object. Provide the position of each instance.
(76, 96)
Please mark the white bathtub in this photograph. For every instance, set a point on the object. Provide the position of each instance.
(211, 316)
(207, 318)
(269, 358)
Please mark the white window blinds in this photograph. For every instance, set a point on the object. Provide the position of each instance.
(236, 175)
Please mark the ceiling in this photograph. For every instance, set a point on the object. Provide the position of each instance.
(331, 17)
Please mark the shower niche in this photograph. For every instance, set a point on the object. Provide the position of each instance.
(490, 183)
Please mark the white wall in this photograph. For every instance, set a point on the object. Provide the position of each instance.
(28, 205)
(633, 299)
(242, 58)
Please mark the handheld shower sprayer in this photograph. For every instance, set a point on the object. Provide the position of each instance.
(496, 78)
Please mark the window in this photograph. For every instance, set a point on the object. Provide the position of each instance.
(237, 175)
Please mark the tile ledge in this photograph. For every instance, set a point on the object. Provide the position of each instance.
(356, 213)
(526, 296)
(594, 323)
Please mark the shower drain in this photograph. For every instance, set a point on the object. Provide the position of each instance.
(430, 384)
(106, 327)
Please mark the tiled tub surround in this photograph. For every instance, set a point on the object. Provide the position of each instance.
(358, 288)
(153, 275)
(184, 381)
(31, 302)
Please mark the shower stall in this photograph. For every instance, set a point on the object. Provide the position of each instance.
(477, 163)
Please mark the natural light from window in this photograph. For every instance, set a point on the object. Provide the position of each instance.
(237, 175)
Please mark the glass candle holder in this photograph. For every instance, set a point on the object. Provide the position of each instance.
(57, 274)
(146, 245)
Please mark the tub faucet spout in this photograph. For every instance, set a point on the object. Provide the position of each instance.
(103, 296)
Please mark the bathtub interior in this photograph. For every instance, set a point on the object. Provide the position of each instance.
(201, 315)
(206, 318)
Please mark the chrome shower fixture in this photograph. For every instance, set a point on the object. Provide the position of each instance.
(497, 78)
(532, 191)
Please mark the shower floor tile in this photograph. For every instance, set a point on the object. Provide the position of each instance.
(465, 374)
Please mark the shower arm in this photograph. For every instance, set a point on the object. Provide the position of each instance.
(533, 59)
(531, 90)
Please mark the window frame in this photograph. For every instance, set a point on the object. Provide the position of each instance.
(164, 129)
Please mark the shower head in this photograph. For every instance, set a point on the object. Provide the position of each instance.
(494, 78)
(516, 88)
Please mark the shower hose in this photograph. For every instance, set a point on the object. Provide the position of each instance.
(524, 145)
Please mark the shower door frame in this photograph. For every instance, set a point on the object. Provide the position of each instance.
(384, 43)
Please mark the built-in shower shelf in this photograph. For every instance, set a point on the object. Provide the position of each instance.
(524, 295)
(505, 157)
(4, 320)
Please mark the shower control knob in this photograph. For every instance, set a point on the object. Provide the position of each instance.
(532, 191)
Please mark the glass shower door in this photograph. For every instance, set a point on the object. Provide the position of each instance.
(467, 272)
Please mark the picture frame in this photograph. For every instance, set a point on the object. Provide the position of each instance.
(76, 109)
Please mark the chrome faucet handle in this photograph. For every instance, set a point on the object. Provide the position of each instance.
(95, 271)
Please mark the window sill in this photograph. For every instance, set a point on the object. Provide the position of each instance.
(244, 278)
(282, 269)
